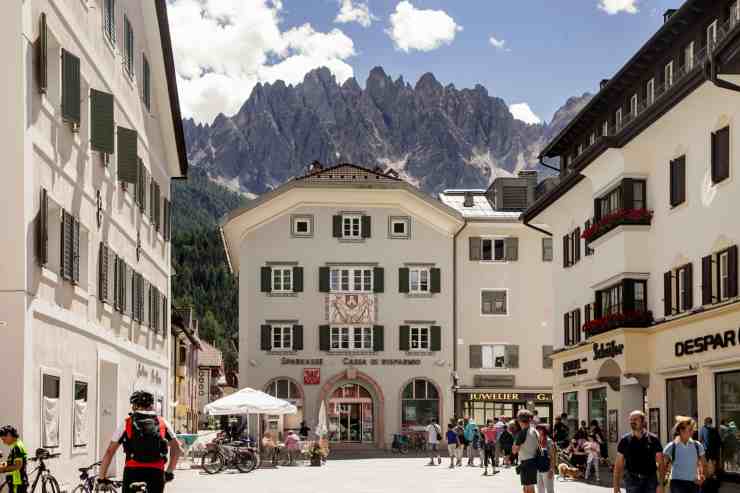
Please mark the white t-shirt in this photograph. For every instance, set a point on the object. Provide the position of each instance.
(121, 430)
(432, 430)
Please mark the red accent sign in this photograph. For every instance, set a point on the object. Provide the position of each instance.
(311, 376)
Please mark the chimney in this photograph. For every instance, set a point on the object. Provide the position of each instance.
(315, 166)
(603, 83)
(668, 14)
(392, 173)
(468, 202)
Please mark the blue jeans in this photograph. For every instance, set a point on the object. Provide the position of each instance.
(639, 483)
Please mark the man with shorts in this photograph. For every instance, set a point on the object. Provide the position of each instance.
(434, 434)
(526, 444)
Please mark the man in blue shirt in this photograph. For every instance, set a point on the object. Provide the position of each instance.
(686, 458)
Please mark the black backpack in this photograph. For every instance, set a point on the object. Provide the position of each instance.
(673, 451)
(144, 438)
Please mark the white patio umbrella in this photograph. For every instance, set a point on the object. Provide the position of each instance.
(249, 401)
(321, 428)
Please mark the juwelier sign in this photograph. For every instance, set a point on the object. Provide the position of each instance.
(710, 342)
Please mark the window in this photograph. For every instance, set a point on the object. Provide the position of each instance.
(399, 227)
(420, 404)
(352, 227)
(650, 92)
(345, 280)
(51, 385)
(580, 149)
(724, 275)
(419, 280)
(128, 52)
(419, 339)
(605, 129)
(282, 338)
(301, 226)
(668, 75)
(570, 407)
(618, 119)
(547, 249)
(282, 279)
(79, 414)
(597, 406)
(284, 389)
(712, 36)
(547, 357)
(497, 356)
(720, 155)
(719, 276)
(592, 139)
(351, 338)
(109, 20)
(611, 300)
(494, 302)
(572, 328)
(146, 90)
(727, 389)
(492, 249)
(678, 181)
(633, 105)
(681, 397)
(689, 56)
(572, 248)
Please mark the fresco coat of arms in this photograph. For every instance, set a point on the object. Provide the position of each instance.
(344, 308)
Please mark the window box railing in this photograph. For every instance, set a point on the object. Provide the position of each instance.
(639, 217)
(618, 320)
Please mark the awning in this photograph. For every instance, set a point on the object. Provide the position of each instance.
(249, 401)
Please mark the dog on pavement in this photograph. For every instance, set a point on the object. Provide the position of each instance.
(567, 472)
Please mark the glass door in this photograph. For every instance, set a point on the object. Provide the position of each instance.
(350, 423)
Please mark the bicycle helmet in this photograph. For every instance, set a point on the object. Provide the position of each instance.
(9, 430)
(142, 398)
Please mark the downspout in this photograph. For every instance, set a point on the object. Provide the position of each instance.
(544, 232)
(713, 76)
(454, 314)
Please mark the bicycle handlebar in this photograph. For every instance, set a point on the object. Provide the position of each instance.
(45, 457)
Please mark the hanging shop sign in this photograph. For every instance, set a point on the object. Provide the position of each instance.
(607, 350)
(311, 376)
(510, 396)
(710, 342)
(573, 367)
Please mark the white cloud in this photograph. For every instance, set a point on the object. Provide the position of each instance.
(499, 44)
(355, 12)
(223, 48)
(613, 7)
(523, 112)
(423, 30)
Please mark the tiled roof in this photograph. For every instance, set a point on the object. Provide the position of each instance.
(209, 356)
(343, 173)
(481, 209)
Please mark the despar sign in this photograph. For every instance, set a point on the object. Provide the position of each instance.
(720, 340)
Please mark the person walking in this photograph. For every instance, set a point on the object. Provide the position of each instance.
(561, 432)
(489, 447)
(469, 433)
(526, 446)
(593, 457)
(601, 439)
(15, 466)
(304, 430)
(685, 457)
(546, 480)
(434, 435)
(638, 456)
(460, 430)
(454, 442)
(476, 448)
(146, 440)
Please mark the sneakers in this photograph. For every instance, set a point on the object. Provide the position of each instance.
(439, 460)
(452, 466)
(485, 473)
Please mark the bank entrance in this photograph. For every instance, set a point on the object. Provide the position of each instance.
(350, 413)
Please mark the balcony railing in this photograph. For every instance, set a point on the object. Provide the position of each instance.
(724, 29)
(638, 217)
(618, 320)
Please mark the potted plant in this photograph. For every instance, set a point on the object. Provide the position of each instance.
(316, 455)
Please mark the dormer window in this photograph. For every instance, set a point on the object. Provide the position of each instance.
(650, 92)
(689, 56)
(618, 119)
(633, 105)
(712, 36)
(468, 201)
(605, 129)
(592, 139)
(668, 75)
(580, 149)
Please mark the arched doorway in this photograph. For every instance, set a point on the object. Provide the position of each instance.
(289, 390)
(420, 402)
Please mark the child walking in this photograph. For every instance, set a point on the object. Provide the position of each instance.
(453, 443)
(593, 449)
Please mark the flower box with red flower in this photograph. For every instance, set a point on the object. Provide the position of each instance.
(618, 320)
(638, 217)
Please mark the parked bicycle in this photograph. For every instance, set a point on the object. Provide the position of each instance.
(400, 444)
(221, 455)
(49, 484)
(87, 479)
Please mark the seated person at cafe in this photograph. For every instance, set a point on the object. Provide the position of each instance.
(576, 453)
(269, 447)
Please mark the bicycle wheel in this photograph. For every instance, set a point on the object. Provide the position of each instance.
(50, 485)
(403, 449)
(246, 462)
(213, 462)
(81, 489)
(284, 457)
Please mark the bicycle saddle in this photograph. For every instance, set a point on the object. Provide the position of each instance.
(138, 487)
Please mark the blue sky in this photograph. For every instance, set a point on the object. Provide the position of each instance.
(552, 49)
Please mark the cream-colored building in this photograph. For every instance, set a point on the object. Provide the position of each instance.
(646, 281)
(504, 300)
(90, 111)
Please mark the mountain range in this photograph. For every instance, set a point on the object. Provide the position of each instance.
(435, 136)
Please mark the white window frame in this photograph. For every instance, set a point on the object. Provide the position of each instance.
(420, 334)
(302, 219)
(493, 241)
(279, 333)
(592, 139)
(349, 221)
(406, 227)
(605, 128)
(52, 372)
(712, 36)
(337, 334)
(735, 12)
(493, 313)
(633, 105)
(668, 74)
(550, 248)
(493, 348)
(689, 55)
(580, 149)
(282, 269)
(337, 276)
(618, 119)
(650, 91)
(417, 288)
(79, 449)
(723, 271)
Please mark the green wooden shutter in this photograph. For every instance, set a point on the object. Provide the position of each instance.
(109, 19)
(511, 356)
(165, 318)
(157, 207)
(146, 85)
(475, 248)
(151, 200)
(378, 280)
(297, 279)
(366, 224)
(476, 356)
(378, 338)
(102, 126)
(266, 337)
(403, 280)
(298, 338)
(324, 338)
(42, 57)
(166, 220)
(403, 338)
(75, 251)
(435, 343)
(732, 271)
(336, 223)
(266, 279)
(547, 356)
(70, 88)
(668, 294)
(511, 249)
(67, 238)
(435, 278)
(103, 273)
(324, 285)
(688, 294)
(128, 155)
(42, 239)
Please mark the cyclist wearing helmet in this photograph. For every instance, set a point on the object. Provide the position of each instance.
(146, 439)
(17, 480)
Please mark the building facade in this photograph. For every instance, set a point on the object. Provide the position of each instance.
(646, 267)
(184, 371)
(92, 137)
(212, 381)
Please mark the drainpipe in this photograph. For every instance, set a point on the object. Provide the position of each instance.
(454, 313)
(544, 232)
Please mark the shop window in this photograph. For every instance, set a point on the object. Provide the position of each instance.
(420, 403)
(51, 385)
(570, 407)
(597, 406)
(283, 389)
(728, 411)
(681, 400)
(350, 412)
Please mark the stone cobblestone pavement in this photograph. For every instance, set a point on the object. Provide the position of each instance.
(363, 476)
